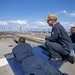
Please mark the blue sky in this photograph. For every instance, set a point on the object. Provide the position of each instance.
(31, 14)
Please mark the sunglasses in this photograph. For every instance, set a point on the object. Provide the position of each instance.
(49, 20)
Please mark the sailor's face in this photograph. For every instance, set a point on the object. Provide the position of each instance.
(50, 22)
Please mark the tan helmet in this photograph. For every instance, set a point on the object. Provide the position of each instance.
(51, 17)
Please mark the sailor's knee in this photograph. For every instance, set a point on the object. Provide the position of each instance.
(47, 43)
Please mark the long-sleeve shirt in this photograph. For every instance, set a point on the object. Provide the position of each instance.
(59, 35)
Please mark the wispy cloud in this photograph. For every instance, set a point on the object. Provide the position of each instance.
(21, 22)
(64, 12)
(71, 14)
(68, 25)
(65, 23)
(40, 23)
(35, 27)
(72, 24)
(3, 23)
